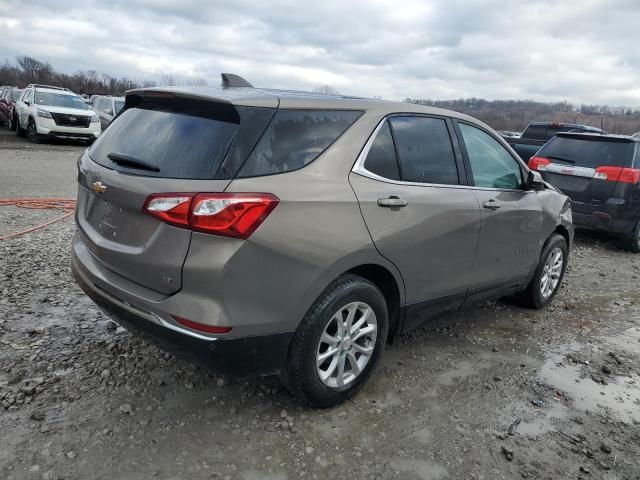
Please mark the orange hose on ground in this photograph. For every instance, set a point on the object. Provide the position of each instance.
(65, 204)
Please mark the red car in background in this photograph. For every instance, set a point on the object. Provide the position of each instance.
(8, 99)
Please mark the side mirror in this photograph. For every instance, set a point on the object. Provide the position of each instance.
(108, 111)
(534, 181)
(27, 103)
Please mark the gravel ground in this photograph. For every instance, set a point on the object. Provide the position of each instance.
(495, 392)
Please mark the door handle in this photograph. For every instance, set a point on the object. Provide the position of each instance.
(392, 202)
(491, 205)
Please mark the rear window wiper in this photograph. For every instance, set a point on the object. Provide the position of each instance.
(562, 159)
(130, 161)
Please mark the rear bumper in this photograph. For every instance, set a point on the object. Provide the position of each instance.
(603, 221)
(260, 354)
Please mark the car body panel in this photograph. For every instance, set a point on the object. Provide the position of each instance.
(326, 223)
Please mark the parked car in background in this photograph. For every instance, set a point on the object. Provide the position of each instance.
(8, 99)
(107, 108)
(44, 111)
(322, 226)
(538, 133)
(601, 175)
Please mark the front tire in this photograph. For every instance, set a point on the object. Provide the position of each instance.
(32, 132)
(338, 343)
(549, 274)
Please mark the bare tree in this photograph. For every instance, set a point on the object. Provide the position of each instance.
(326, 90)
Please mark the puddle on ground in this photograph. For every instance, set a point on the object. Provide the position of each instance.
(419, 468)
(544, 420)
(620, 397)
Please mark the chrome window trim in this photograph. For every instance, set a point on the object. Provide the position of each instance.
(359, 168)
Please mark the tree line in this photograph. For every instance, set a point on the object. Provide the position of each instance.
(514, 115)
(500, 114)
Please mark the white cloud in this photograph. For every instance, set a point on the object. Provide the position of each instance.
(539, 49)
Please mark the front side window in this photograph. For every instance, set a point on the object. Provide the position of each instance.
(381, 158)
(424, 148)
(491, 164)
(27, 96)
(295, 138)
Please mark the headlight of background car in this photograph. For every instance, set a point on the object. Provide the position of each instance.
(95, 118)
(44, 114)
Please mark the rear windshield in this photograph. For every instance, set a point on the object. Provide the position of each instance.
(180, 143)
(590, 152)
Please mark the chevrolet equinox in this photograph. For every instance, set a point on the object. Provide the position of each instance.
(289, 233)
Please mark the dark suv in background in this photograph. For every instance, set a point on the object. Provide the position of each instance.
(295, 233)
(601, 175)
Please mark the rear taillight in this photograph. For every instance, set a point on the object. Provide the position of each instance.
(235, 215)
(536, 162)
(618, 174)
(172, 208)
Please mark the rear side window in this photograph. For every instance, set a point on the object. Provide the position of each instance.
(180, 145)
(295, 138)
(381, 158)
(425, 152)
(589, 152)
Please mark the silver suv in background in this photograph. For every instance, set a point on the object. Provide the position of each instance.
(44, 111)
(107, 108)
(292, 233)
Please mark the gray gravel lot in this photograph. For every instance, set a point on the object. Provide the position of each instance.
(81, 398)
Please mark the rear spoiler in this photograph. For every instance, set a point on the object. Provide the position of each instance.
(598, 136)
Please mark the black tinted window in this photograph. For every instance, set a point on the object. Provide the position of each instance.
(295, 138)
(180, 145)
(424, 150)
(381, 158)
(588, 152)
(536, 132)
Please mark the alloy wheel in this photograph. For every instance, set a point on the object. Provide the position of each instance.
(551, 272)
(346, 344)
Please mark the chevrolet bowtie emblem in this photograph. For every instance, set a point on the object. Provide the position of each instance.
(98, 187)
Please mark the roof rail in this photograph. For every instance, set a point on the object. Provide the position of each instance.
(38, 85)
(230, 80)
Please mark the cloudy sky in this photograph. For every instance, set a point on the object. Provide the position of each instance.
(586, 51)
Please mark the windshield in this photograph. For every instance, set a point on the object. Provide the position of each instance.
(119, 105)
(60, 100)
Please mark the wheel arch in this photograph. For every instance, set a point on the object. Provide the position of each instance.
(391, 289)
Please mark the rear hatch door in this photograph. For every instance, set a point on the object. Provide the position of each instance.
(160, 143)
(578, 166)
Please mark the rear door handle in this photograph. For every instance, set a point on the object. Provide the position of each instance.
(392, 202)
(491, 205)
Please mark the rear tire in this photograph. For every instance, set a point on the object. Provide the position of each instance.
(21, 132)
(632, 242)
(12, 123)
(549, 274)
(338, 343)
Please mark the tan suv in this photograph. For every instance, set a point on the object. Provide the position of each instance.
(292, 233)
